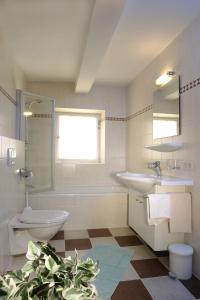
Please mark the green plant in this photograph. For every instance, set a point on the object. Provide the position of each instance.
(47, 276)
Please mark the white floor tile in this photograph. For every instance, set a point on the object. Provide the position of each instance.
(164, 288)
(124, 231)
(59, 245)
(103, 241)
(141, 252)
(130, 274)
(76, 234)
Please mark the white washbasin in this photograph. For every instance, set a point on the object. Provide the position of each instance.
(144, 182)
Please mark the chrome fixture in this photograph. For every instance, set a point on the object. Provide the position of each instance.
(28, 112)
(156, 167)
(24, 173)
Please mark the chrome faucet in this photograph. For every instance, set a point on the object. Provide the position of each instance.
(156, 167)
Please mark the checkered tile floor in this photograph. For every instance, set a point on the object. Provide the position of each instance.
(146, 278)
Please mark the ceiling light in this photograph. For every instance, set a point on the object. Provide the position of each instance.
(165, 78)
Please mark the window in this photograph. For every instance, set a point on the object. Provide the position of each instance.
(79, 137)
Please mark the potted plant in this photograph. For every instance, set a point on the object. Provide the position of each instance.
(46, 276)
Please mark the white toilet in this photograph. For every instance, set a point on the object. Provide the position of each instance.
(34, 225)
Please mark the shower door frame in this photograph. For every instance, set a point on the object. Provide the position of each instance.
(20, 128)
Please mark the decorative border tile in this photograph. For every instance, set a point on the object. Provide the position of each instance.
(10, 98)
(115, 119)
(125, 119)
(48, 116)
(140, 112)
(190, 85)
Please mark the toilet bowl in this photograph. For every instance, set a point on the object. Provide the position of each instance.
(34, 225)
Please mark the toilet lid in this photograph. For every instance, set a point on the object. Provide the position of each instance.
(181, 249)
(43, 216)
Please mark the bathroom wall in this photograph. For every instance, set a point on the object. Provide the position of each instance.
(182, 55)
(11, 78)
(110, 99)
(11, 194)
(11, 187)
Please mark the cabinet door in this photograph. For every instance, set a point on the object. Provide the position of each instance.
(136, 211)
(138, 218)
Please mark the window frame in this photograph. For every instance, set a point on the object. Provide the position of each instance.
(98, 116)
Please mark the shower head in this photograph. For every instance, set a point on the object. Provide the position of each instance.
(28, 112)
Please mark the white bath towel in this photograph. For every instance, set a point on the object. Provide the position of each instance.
(156, 221)
(181, 212)
(159, 206)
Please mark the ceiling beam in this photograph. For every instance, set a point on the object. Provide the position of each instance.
(104, 20)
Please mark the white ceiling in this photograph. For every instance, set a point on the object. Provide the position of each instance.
(74, 40)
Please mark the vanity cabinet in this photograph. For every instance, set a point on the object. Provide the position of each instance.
(156, 236)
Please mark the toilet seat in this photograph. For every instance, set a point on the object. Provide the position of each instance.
(43, 216)
(34, 225)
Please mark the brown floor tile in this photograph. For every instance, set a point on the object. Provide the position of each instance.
(62, 254)
(131, 290)
(103, 232)
(79, 244)
(162, 253)
(149, 268)
(193, 285)
(131, 240)
(59, 235)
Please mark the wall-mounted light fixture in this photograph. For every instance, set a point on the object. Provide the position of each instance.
(28, 112)
(165, 78)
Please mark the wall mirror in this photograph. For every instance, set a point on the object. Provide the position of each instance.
(166, 107)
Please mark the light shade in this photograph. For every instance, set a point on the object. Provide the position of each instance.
(28, 113)
(165, 78)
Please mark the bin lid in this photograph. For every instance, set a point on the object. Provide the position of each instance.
(181, 249)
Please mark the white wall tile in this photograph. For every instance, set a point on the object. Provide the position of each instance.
(12, 198)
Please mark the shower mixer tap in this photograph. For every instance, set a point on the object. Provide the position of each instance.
(24, 173)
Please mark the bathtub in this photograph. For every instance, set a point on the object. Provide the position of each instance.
(89, 207)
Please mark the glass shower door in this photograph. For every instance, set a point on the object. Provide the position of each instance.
(36, 128)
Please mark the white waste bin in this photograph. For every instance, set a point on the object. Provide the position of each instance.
(180, 260)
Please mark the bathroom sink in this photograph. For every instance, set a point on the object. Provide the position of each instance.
(144, 182)
(137, 181)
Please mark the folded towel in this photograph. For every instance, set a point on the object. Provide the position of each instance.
(181, 212)
(159, 206)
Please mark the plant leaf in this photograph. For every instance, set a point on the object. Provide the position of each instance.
(48, 277)
(72, 294)
(33, 251)
(51, 265)
(28, 267)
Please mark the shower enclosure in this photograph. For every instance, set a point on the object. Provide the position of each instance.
(35, 126)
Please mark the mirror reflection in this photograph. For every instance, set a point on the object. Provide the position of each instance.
(166, 109)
